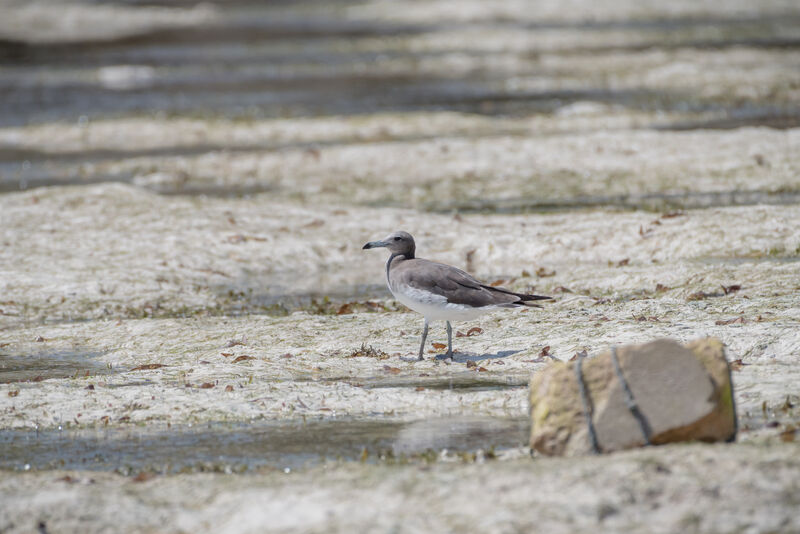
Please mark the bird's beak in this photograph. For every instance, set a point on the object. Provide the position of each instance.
(375, 244)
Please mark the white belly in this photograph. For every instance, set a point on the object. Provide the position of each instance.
(435, 307)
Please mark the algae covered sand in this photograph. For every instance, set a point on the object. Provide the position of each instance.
(192, 340)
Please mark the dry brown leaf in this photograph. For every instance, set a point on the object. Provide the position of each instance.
(788, 435)
(148, 366)
(228, 388)
(737, 365)
(391, 370)
(471, 364)
(439, 346)
(226, 354)
(13, 393)
(673, 214)
(545, 351)
(144, 476)
(660, 288)
(474, 331)
(206, 385)
(735, 320)
(243, 358)
(623, 262)
(543, 272)
(482, 369)
(731, 289)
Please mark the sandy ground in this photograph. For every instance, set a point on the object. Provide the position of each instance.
(180, 252)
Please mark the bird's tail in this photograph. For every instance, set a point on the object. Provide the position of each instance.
(528, 300)
(524, 299)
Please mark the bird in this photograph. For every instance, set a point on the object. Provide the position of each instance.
(439, 291)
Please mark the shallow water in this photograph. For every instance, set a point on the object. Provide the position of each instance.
(44, 364)
(222, 447)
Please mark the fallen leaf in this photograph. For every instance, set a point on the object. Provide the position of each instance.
(471, 364)
(226, 354)
(13, 393)
(206, 385)
(735, 320)
(474, 331)
(660, 288)
(38, 378)
(143, 477)
(316, 223)
(105, 419)
(581, 354)
(419, 388)
(673, 214)
(286, 356)
(148, 366)
(124, 418)
(623, 262)
(243, 358)
(788, 434)
(545, 351)
(90, 387)
(228, 388)
(731, 289)
(482, 369)
(391, 370)
(497, 283)
(562, 289)
(344, 309)
(40, 339)
(543, 272)
(439, 346)
(235, 342)
(737, 365)
(698, 295)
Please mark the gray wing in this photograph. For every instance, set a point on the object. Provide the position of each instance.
(456, 285)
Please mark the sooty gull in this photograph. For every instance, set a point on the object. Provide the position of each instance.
(438, 291)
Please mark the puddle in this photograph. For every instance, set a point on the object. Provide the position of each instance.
(241, 448)
(49, 364)
(466, 381)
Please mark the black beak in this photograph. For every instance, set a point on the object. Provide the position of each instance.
(375, 244)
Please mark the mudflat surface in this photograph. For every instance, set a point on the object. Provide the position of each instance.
(192, 340)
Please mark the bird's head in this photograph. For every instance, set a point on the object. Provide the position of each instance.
(397, 242)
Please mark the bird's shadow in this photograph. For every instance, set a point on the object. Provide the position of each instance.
(467, 356)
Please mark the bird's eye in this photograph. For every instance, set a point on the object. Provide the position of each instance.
(397, 239)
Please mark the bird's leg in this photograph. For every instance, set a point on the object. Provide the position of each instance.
(449, 340)
(424, 337)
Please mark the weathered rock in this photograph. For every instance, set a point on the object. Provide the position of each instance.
(683, 393)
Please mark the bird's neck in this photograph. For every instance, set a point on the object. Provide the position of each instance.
(406, 256)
